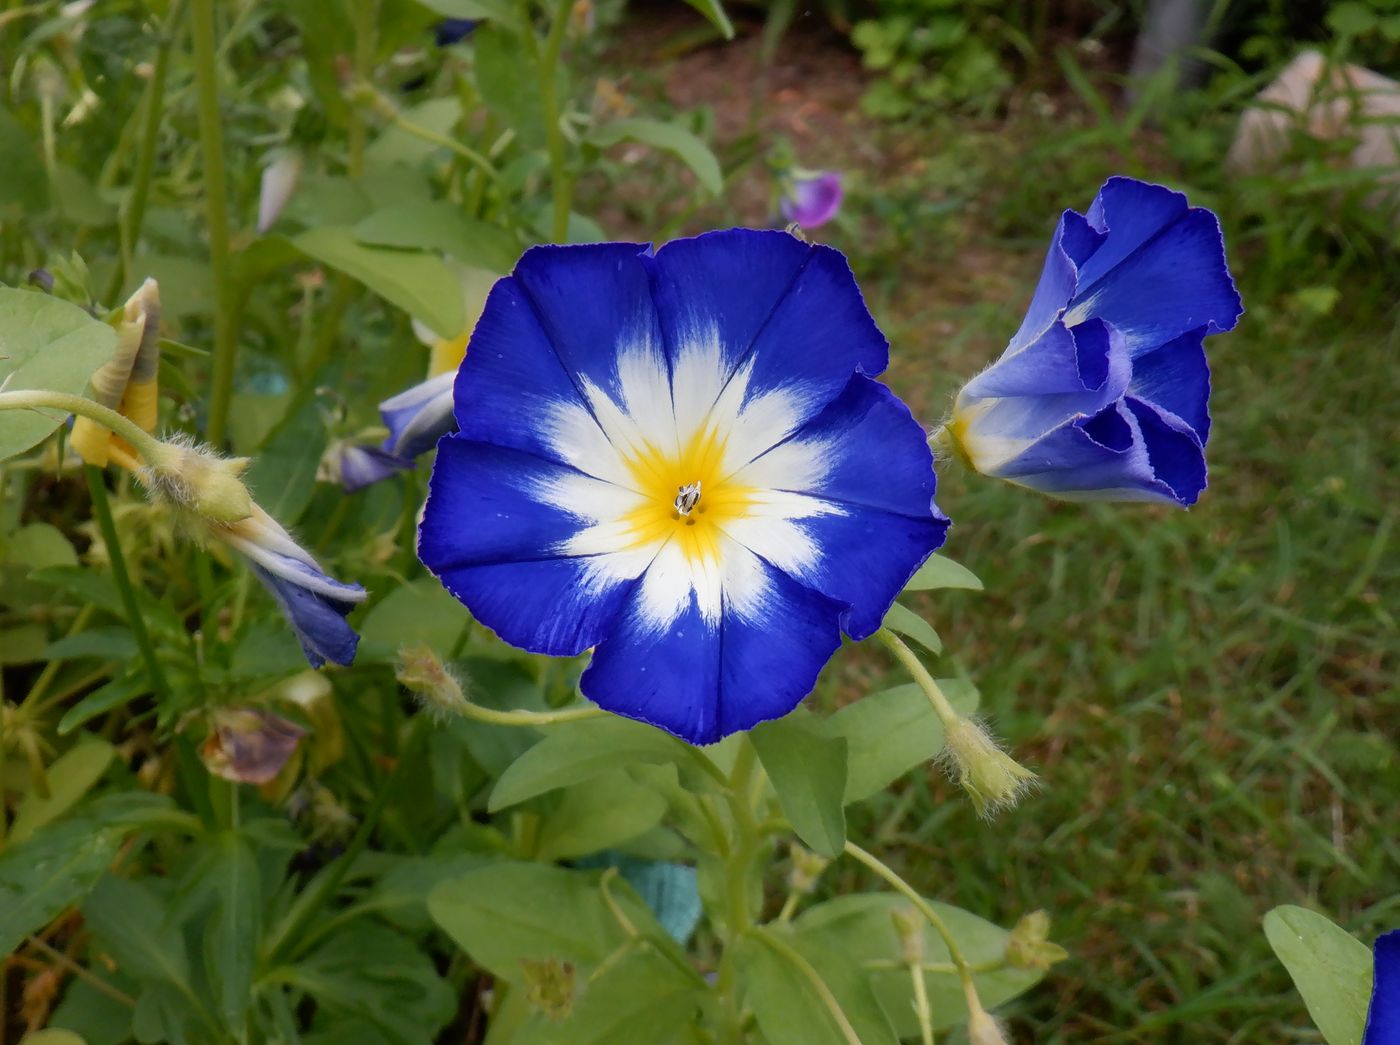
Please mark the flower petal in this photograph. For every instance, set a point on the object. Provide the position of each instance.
(418, 417)
(1074, 241)
(812, 199)
(494, 533)
(703, 677)
(1383, 1018)
(362, 466)
(317, 619)
(1176, 377)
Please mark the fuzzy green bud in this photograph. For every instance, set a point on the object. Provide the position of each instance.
(992, 778)
(199, 481)
(807, 868)
(1029, 946)
(420, 670)
(909, 927)
(982, 1029)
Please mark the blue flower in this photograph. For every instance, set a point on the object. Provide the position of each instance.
(681, 460)
(1383, 1020)
(1102, 394)
(811, 198)
(356, 466)
(418, 417)
(314, 603)
(451, 31)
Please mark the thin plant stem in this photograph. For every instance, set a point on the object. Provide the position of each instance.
(211, 140)
(147, 445)
(134, 213)
(737, 865)
(97, 982)
(829, 1002)
(947, 714)
(934, 919)
(521, 717)
(102, 509)
(35, 695)
(444, 141)
(921, 1006)
(547, 65)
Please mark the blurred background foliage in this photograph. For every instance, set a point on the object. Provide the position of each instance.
(1210, 697)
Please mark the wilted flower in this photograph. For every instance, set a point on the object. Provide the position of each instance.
(314, 603)
(249, 745)
(680, 458)
(811, 198)
(1102, 394)
(1383, 1018)
(126, 382)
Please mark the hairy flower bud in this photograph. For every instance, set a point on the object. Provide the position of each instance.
(200, 481)
(422, 671)
(1029, 946)
(983, 1030)
(991, 777)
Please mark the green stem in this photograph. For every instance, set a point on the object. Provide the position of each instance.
(211, 140)
(134, 213)
(547, 65)
(102, 509)
(921, 1006)
(444, 141)
(147, 445)
(34, 697)
(737, 870)
(923, 907)
(947, 714)
(829, 1002)
(521, 717)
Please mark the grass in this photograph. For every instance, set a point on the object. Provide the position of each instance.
(1209, 696)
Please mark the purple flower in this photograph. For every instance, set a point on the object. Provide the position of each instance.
(451, 31)
(356, 466)
(1102, 394)
(418, 417)
(811, 198)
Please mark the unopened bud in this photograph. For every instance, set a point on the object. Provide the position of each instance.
(982, 1029)
(1029, 946)
(807, 867)
(992, 778)
(422, 671)
(909, 927)
(549, 987)
(200, 481)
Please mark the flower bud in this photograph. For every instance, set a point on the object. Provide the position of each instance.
(1029, 946)
(249, 745)
(909, 927)
(982, 1029)
(991, 777)
(807, 867)
(420, 670)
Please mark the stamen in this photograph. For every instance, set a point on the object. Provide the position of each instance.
(687, 498)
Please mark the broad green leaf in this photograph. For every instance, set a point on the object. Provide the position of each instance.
(97, 588)
(55, 868)
(129, 921)
(53, 1036)
(38, 545)
(598, 814)
(45, 344)
(111, 694)
(578, 751)
(235, 926)
(1331, 969)
(437, 225)
(378, 976)
(941, 572)
(890, 732)
(419, 283)
(164, 1013)
(400, 895)
(509, 83)
(511, 912)
(70, 778)
(107, 643)
(97, 1018)
(714, 11)
(787, 996)
(808, 771)
(420, 612)
(860, 928)
(912, 626)
(678, 141)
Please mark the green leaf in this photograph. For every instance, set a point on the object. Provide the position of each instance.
(808, 771)
(911, 625)
(53, 1036)
(55, 868)
(678, 141)
(1331, 969)
(860, 928)
(109, 643)
(45, 344)
(941, 572)
(440, 226)
(511, 912)
(890, 732)
(578, 751)
(78, 200)
(419, 283)
(492, 10)
(714, 11)
(282, 476)
(131, 923)
(235, 926)
(786, 995)
(70, 777)
(378, 976)
(112, 694)
(509, 83)
(420, 612)
(603, 812)
(24, 184)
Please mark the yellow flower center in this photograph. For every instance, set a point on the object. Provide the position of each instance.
(688, 497)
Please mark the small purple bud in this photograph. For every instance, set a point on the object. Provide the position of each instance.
(811, 198)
